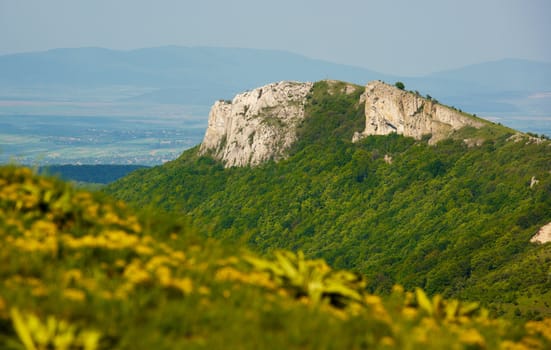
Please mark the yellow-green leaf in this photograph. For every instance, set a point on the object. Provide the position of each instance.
(423, 301)
(22, 330)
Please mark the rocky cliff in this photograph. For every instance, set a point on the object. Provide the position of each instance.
(389, 109)
(261, 124)
(257, 125)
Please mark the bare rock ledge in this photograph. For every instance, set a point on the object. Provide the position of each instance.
(543, 235)
(257, 125)
(389, 109)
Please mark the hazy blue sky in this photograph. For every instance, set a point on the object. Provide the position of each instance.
(393, 36)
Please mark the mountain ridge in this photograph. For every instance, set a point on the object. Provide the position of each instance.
(454, 217)
(204, 74)
(491, 72)
(262, 124)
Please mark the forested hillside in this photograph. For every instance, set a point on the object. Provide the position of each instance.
(80, 271)
(454, 218)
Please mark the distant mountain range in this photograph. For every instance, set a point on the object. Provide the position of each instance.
(198, 75)
(201, 75)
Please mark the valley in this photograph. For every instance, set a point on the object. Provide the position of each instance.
(64, 138)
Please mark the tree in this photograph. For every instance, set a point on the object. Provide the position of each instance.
(400, 85)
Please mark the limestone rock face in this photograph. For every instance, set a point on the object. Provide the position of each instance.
(256, 126)
(389, 109)
(543, 235)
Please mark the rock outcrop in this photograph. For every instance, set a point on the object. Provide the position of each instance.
(261, 124)
(256, 126)
(543, 235)
(389, 109)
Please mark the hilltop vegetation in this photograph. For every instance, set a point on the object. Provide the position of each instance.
(454, 218)
(80, 271)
